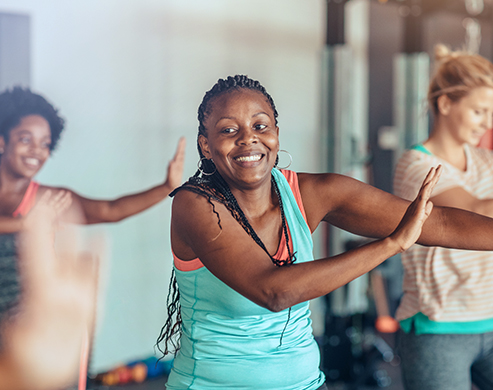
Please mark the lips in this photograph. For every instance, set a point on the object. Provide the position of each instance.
(31, 161)
(249, 158)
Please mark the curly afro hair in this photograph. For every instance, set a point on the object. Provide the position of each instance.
(18, 102)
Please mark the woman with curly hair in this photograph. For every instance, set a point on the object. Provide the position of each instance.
(30, 129)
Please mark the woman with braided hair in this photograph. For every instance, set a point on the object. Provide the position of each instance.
(243, 263)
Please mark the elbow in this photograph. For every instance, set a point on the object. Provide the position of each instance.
(109, 214)
(277, 301)
(113, 219)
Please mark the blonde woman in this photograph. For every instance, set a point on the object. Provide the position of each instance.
(446, 312)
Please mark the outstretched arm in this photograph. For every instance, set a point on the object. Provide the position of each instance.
(98, 211)
(232, 256)
(367, 211)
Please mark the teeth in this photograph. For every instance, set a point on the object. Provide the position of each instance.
(32, 161)
(249, 158)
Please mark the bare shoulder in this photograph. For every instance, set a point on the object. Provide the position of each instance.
(320, 181)
(323, 192)
(205, 228)
(195, 219)
(189, 206)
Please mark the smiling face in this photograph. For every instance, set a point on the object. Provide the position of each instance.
(28, 147)
(242, 137)
(469, 118)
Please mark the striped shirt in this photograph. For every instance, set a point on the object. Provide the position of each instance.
(446, 285)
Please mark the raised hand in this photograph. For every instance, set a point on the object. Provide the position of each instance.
(410, 227)
(48, 208)
(175, 166)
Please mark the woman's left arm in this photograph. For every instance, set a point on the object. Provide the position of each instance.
(100, 211)
(367, 211)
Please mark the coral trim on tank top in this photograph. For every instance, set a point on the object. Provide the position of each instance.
(28, 200)
(282, 251)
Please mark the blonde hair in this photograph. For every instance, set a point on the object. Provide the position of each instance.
(456, 74)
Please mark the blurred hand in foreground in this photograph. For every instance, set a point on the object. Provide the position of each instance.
(41, 344)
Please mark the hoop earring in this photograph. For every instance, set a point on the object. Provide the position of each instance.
(201, 168)
(277, 159)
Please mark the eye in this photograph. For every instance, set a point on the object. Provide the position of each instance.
(228, 130)
(46, 145)
(260, 127)
(24, 140)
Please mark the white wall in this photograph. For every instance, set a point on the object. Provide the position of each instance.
(128, 76)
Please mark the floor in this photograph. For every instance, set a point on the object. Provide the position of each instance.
(384, 373)
(151, 384)
(389, 380)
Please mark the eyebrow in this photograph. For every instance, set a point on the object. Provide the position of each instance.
(232, 117)
(259, 113)
(28, 132)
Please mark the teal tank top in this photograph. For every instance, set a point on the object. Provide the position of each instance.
(229, 342)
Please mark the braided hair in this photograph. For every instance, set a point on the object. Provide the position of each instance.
(209, 183)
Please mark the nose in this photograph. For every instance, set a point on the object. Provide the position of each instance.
(247, 136)
(37, 149)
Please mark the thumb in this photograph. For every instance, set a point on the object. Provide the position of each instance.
(428, 208)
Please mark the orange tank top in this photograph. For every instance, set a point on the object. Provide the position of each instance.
(282, 252)
(28, 200)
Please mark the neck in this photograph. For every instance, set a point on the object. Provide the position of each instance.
(443, 145)
(256, 202)
(12, 184)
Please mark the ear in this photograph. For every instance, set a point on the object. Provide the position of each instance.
(277, 130)
(204, 146)
(444, 105)
(2, 145)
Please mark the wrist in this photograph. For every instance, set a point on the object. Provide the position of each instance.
(393, 245)
(166, 189)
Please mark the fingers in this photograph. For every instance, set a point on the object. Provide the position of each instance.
(180, 150)
(429, 182)
(409, 229)
(45, 197)
(175, 167)
(47, 209)
(429, 208)
(61, 201)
